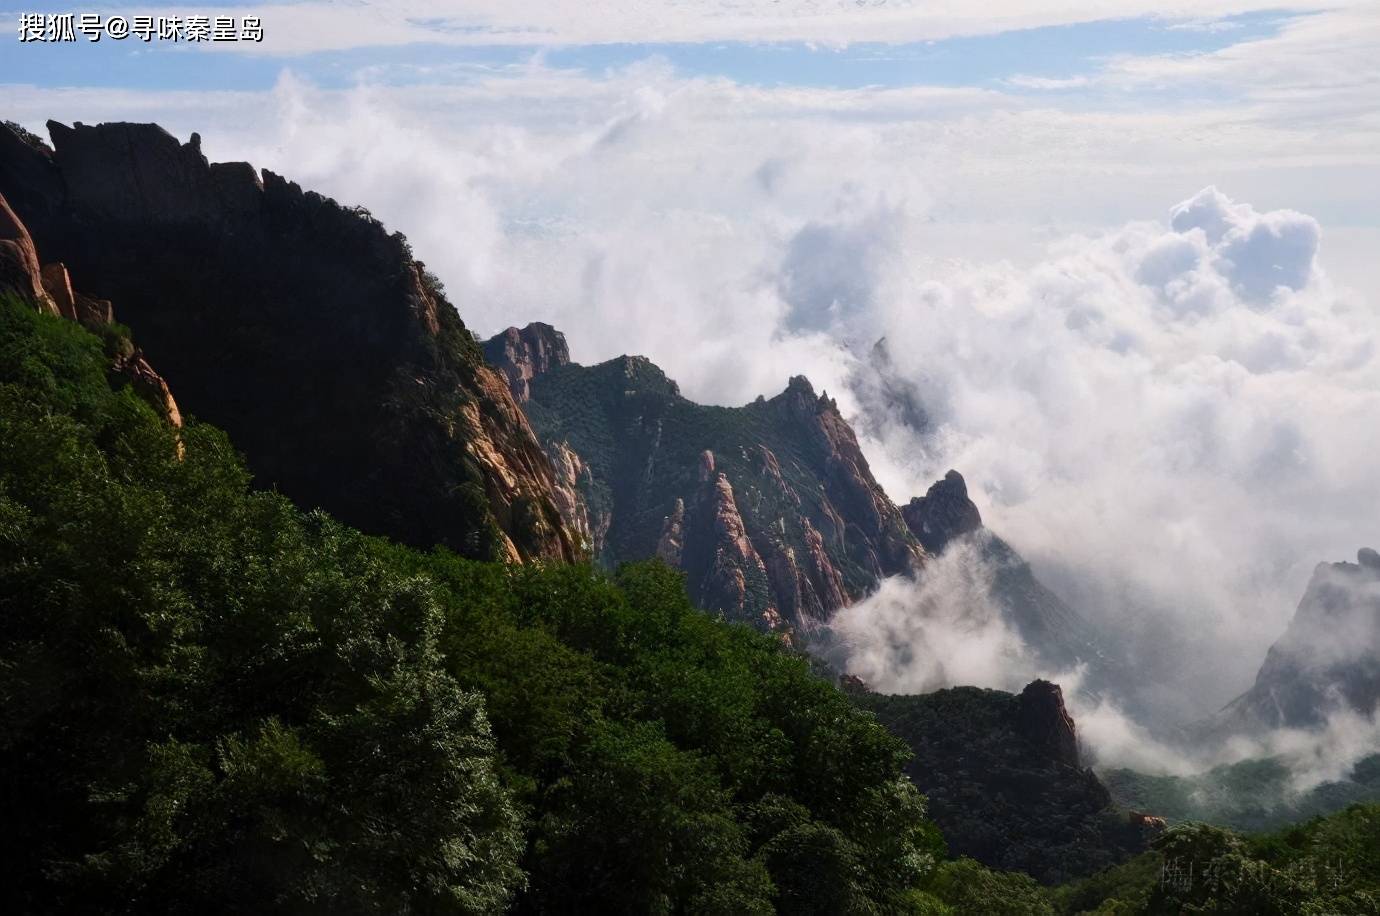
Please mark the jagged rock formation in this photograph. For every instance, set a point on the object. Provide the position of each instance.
(302, 328)
(1059, 637)
(49, 289)
(890, 399)
(1327, 660)
(1005, 783)
(523, 354)
(721, 565)
(771, 508)
(944, 513)
(1042, 719)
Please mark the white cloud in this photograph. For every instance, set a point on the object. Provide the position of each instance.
(1022, 81)
(1173, 424)
(941, 629)
(1184, 411)
(1319, 69)
(313, 26)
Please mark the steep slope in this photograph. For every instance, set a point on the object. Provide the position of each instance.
(771, 508)
(1327, 660)
(1252, 795)
(1005, 781)
(48, 288)
(217, 703)
(301, 327)
(1058, 636)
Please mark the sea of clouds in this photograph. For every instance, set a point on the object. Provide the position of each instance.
(1156, 390)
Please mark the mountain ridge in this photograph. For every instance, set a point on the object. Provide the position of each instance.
(302, 327)
(770, 508)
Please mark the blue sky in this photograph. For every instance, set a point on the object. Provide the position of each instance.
(1057, 52)
(992, 184)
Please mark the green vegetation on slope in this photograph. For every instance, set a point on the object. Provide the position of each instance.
(1252, 795)
(213, 701)
(643, 440)
(1329, 865)
(998, 798)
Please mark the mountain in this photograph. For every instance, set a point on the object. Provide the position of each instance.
(217, 702)
(770, 508)
(301, 327)
(1005, 780)
(1327, 660)
(48, 287)
(1253, 795)
(1059, 638)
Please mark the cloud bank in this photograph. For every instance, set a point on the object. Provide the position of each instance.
(1156, 390)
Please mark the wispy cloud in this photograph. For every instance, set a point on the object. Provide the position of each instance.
(1021, 81)
(319, 26)
(1168, 436)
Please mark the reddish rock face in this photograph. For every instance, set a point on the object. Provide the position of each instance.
(1145, 821)
(19, 268)
(1044, 721)
(302, 328)
(50, 289)
(526, 353)
(779, 522)
(150, 386)
(726, 573)
(852, 490)
(59, 287)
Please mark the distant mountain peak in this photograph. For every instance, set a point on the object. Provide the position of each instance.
(522, 354)
(944, 513)
(1327, 659)
(771, 508)
(303, 328)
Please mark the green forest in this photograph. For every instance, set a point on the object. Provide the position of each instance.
(214, 701)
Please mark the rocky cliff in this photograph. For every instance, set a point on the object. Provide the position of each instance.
(770, 508)
(522, 354)
(301, 327)
(1327, 660)
(943, 514)
(1044, 721)
(1005, 782)
(1058, 637)
(48, 288)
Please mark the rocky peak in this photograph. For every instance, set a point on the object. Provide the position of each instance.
(1327, 659)
(709, 540)
(303, 328)
(706, 465)
(945, 512)
(888, 392)
(1042, 719)
(785, 491)
(526, 353)
(848, 479)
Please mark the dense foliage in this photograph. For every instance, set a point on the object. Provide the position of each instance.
(1251, 795)
(996, 797)
(1329, 865)
(213, 701)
